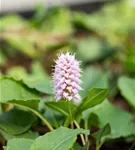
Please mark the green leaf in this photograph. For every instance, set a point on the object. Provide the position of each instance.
(79, 147)
(12, 22)
(63, 139)
(22, 44)
(93, 78)
(16, 121)
(121, 122)
(95, 96)
(127, 88)
(18, 144)
(60, 106)
(101, 133)
(18, 93)
(28, 135)
(38, 79)
(95, 49)
(57, 21)
(22, 96)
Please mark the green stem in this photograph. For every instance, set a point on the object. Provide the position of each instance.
(98, 146)
(86, 127)
(43, 119)
(81, 135)
(70, 114)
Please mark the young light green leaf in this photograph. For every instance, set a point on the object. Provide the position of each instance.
(127, 88)
(63, 139)
(16, 121)
(95, 96)
(18, 144)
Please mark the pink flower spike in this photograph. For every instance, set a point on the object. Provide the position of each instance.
(66, 77)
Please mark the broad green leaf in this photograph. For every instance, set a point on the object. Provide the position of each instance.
(95, 96)
(127, 88)
(28, 135)
(18, 144)
(18, 93)
(121, 122)
(60, 106)
(16, 121)
(37, 79)
(63, 139)
(101, 133)
(93, 78)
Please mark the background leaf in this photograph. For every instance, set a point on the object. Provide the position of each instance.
(95, 49)
(38, 79)
(92, 77)
(127, 88)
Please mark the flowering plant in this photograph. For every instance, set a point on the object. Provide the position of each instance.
(88, 103)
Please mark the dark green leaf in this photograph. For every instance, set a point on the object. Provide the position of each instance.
(79, 147)
(101, 133)
(16, 121)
